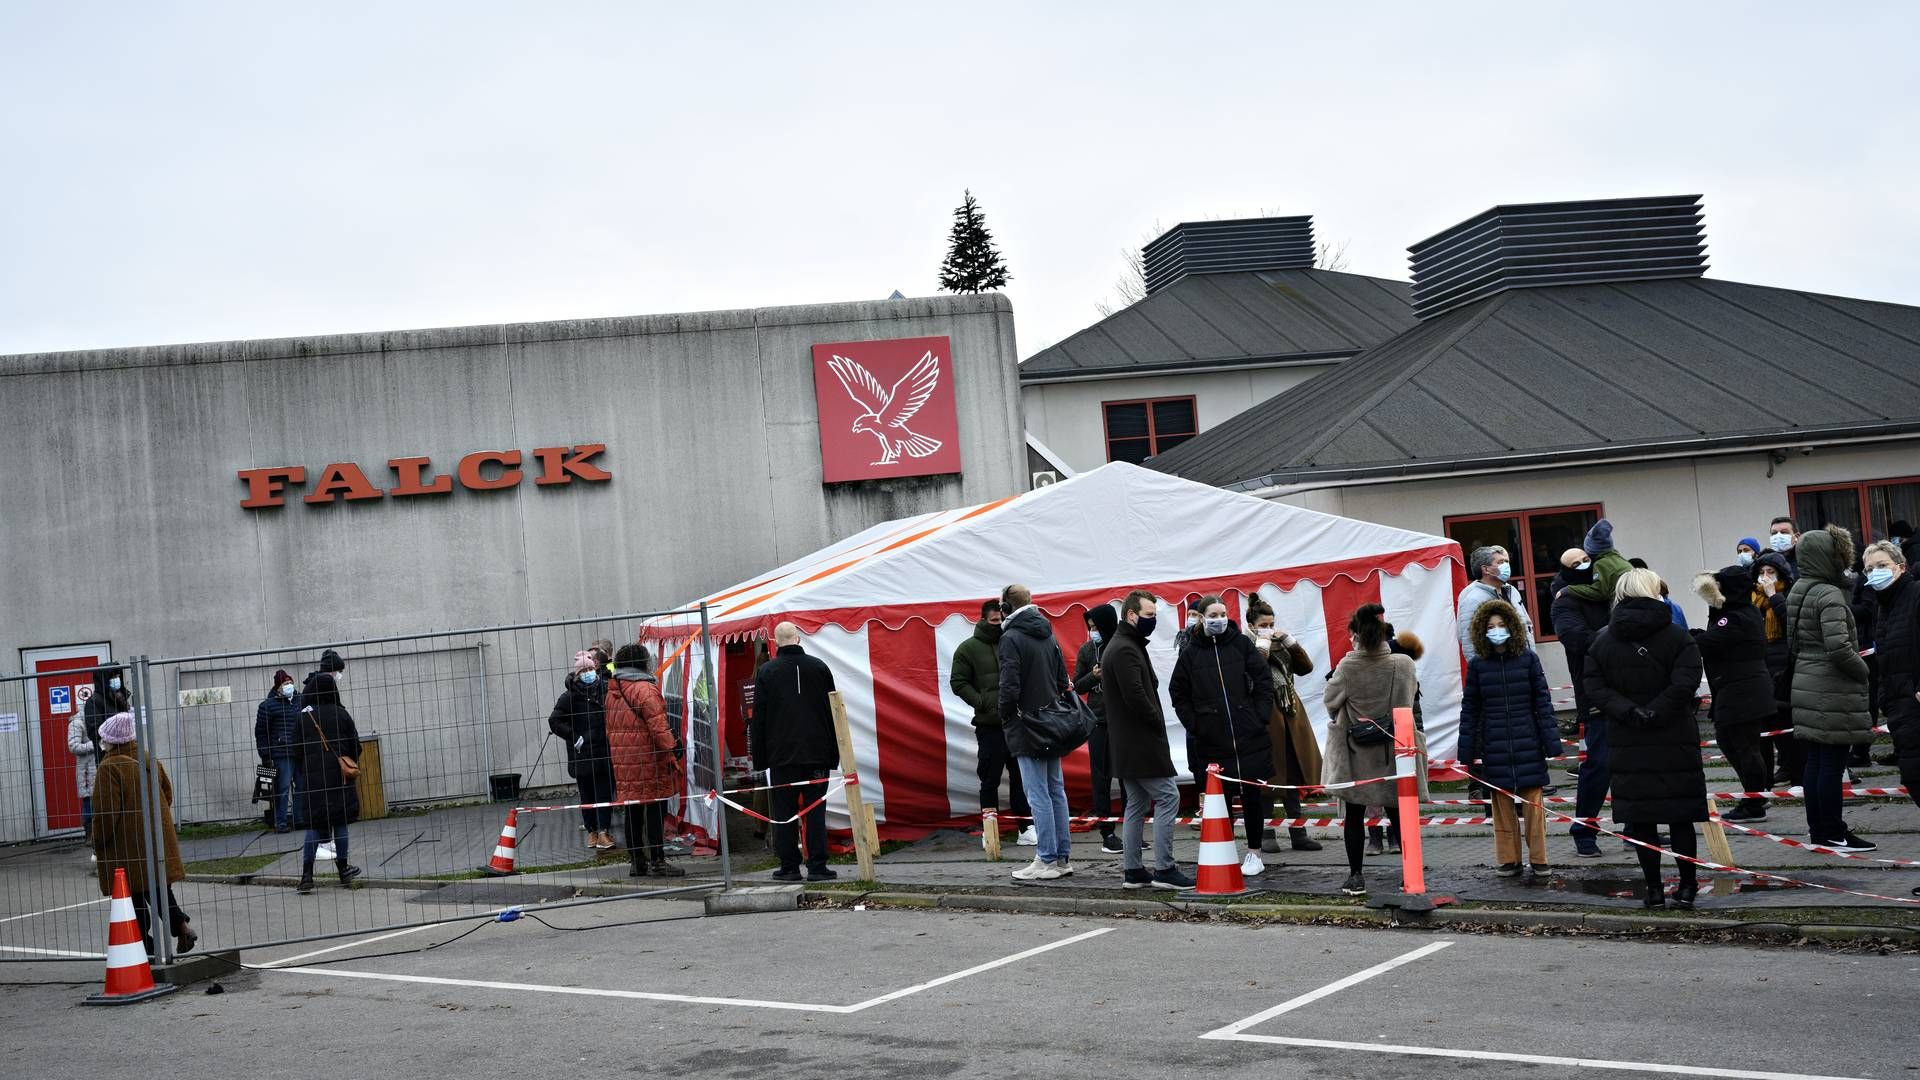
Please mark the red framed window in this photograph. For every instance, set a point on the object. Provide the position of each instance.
(1865, 507)
(1137, 430)
(1534, 539)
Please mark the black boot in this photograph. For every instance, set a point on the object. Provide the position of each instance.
(663, 868)
(306, 879)
(348, 873)
(1301, 841)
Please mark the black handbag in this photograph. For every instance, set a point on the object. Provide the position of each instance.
(1364, 732)
(1058, 728)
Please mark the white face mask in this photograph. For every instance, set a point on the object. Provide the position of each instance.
(287, 691)
(1588, 565)
(1746, 558)
(1217, 625)
(1780, 541)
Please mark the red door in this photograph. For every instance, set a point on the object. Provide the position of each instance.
(57, 698)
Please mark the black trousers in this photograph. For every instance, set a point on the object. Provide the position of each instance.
(786, 802)
(1685, 842)
(1354, 833)
(1741, 742)
(1101, 766)
(646, 829)
(1903, 719)
(176, 919)
(994, 760)
(596, 786)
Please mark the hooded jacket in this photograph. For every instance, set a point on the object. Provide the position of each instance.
(1506, 715)
(1136, 726)
(1773, 609)
(1085, 682)
(975, 678)
(1222, 692)
(1033, 674)
(640, 742)
(1829, 676)
(1733, 646)
(322, 795)
(792, 715)
(1643, 674)
(579, 715)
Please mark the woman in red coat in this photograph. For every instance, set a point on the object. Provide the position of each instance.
(646, 759)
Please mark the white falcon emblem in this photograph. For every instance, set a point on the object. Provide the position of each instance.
(887, 411)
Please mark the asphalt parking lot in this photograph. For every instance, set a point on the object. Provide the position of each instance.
(650, 987)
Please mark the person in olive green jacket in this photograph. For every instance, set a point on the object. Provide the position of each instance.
(1609, 566)
(976, 681)
(1830, 711)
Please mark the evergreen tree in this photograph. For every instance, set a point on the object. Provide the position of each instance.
(972, 265)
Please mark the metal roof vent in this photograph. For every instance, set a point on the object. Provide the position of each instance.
(1534, 245)
(1225, 247)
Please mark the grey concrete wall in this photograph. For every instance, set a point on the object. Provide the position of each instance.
(120, 516)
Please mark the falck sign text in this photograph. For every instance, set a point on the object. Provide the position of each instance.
(886, 409)
(483, 470)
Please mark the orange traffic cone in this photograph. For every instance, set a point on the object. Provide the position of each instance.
(502, 862)
(1219, 870)
(129, 978)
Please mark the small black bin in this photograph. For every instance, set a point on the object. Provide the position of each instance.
(504, 786)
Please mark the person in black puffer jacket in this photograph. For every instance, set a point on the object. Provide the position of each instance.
(1102, 621)
(1507, 724)
(579, 719)
(1898, 647)
(1733, 646)
(1643, 673)
(1772, 578)
(1222, 692)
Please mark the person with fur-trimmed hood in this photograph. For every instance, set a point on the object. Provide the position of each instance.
(1733, 646)
(1507, 733)
(1830, 707)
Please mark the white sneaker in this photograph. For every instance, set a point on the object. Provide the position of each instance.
(1033, 870)
(1029, 838)
(324, 852)
(1252, 865)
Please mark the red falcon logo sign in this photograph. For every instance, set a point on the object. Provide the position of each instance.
(886, 409)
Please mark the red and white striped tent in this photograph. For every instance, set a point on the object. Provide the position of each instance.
(887, 608)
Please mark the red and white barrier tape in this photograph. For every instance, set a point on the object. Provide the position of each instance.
(1846, 791)
(1821, 848)
(1881, 730)
(593, 805)
(834, 785)
(850, 778)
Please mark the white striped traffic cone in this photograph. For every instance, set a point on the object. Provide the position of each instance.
(129, 978)
(502, 862)
(1219, 871)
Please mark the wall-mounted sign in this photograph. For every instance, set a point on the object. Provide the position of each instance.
(206, 695)
(483, 470)
(886, 409)
(59, 700)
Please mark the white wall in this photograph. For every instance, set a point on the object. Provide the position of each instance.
(1681, 516)
(1068, 416)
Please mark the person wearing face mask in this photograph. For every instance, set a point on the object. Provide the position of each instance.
(1296, 751)
(1733, 646)
(274, 722)
(1368, 684)
(1189, 628)
(1746, 551)
(1831, 711)
(579, 720)
(1033, 676)
(1784, 540)
(110, 695)
(329, 800)
(1507, 733)
(1575, 622)
(1491, 568)
(1609, 566)
(1101, 623)
(1222, 691)
(1137, 746)
(1898, 647)
(1772, 577)
(975, 679)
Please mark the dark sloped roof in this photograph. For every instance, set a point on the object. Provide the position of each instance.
(1582, 372)
(1208, 320)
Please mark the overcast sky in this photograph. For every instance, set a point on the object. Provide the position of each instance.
(176, 172)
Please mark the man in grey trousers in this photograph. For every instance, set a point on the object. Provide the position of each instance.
(1137, 745)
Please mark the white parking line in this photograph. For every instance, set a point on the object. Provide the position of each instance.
(1236, 1032)
(51, 910)
(336, 948)
(53, 952)
(751, 1003)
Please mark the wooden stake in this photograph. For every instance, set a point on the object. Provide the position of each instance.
(990, 833)
(860, 819)
(1717, 846)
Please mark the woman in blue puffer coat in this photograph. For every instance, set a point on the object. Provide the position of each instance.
(1507, 723)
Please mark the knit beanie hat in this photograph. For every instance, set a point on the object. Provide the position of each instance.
(1750, 542)
(1599, 539)
(1104, 619)
(330, 661)
(583, 661)
(117, 730)
(281, 677)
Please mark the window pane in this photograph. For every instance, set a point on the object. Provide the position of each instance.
(1818, 509)
(1484, 532)
(1542, 608)
(1891, 503)
(1167, 442)
(1552, 534)
(1173, 418)
(1129, 450)
(1127, 421)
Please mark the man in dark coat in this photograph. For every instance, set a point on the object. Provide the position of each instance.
(1575, 621)
(1137, 745)
(794, 742)
(1898, 647)
(1033, 675)
(1733, 646)
(975, 679)
(1222, 691)
(1101, 623)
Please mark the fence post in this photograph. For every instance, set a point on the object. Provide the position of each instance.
(858, 816)
(719, 750)
(153, 842)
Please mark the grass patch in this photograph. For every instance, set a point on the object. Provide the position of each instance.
(553, 868)
(205, 829)
(237, 866)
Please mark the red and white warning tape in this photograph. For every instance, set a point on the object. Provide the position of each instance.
(833, 786)
(1820, 848)
(1882, 729)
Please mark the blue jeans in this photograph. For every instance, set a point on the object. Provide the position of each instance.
(1596, 776)
(1826, 769)
(1046, 788)
(86, 813)
(335, 833)
(283, 792)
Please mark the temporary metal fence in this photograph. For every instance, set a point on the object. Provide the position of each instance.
(453, 731)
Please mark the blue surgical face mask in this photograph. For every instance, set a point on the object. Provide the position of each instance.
(113, 683)
(1217, 626)
(1498, 635)
(1505, 570)
(1588, 565)
(1093, 636)
(589, 677)
(1779, 541)
(1746, 558)
(287, 690)
(1879, 577)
